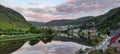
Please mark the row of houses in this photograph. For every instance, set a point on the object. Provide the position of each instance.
(115, 38)
(114, 32)
(61, 28)
(91, 30)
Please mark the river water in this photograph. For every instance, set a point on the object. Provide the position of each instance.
(56, 45)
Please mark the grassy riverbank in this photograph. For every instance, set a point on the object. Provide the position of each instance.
(6, 38)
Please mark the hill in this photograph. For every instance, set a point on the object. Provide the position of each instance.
(109, 20)
(78, 21)
(10, 19)
(34, 23)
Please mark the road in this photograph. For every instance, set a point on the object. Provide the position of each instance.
(103, 45)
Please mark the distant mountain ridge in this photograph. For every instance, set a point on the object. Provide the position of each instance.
(107, 21)
(10, 19)
(68, 22)
(34, 23)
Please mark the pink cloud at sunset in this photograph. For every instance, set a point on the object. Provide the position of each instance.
(69, 1)
(47, 10)
(34, 3)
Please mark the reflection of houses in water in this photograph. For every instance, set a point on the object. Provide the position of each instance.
(115, 42)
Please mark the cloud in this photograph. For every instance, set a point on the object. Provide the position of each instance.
(19, 9)
(69, 1)
(37, 10)
(33, 15)
(68, 10)
(40, 17)
(34, 3)
(77, 6)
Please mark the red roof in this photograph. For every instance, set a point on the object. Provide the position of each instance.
(114, 38)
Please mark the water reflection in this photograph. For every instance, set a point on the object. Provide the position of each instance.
(45, 40)
(7, 47)
(55, 47)
(77, 38)
(63, 44)
(33, 42)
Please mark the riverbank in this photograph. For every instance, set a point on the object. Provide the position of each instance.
(8, 38)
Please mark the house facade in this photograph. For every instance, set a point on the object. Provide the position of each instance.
(114, 32)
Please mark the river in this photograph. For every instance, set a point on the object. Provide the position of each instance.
(54, 47)
(57, 45)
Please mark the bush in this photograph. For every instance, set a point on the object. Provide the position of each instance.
(34, 30)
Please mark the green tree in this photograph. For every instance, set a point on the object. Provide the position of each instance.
(48, 31)
(34, 30)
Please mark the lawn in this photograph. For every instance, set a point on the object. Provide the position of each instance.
(5, 38)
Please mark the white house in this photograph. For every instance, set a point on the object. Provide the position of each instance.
(92, 30)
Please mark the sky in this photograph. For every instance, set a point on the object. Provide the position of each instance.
(47, 10)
